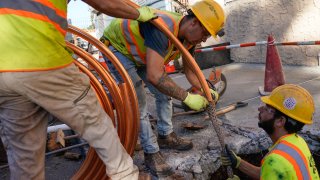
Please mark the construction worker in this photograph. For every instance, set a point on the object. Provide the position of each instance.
(38, 77)
(287, 110)
(143, 50)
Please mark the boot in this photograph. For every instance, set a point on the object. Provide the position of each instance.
(157, 165)
(172, 141)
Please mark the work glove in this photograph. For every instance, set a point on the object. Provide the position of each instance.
(146, 14)
(196, 101)
(235, 177)
(229, 158)
(215, 94)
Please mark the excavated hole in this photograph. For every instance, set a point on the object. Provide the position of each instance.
(255, 159)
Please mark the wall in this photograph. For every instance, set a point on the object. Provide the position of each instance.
(288, 20)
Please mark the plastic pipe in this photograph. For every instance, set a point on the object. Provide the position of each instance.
(55, 128)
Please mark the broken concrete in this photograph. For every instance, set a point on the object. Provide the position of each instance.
(239, 126)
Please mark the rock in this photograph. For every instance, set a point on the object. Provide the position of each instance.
(196, 168)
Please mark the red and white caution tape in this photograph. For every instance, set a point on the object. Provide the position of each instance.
(219, 48)
(297, 43)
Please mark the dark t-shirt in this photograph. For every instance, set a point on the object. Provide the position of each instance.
(155, 39)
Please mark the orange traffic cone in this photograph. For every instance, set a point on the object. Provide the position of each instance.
(102, 61)
(273, 76)
(170, 68)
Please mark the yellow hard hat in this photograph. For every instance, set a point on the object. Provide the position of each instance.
(293, 101)
(210, 14)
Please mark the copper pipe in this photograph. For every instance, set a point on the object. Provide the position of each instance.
(92, 165)
(124, 101)
(105, 77)
(99, 166)
(113, 89)
(133, 98)
(125, 95)
(105, 51)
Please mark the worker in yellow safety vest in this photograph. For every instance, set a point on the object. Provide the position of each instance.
(143, 50)
(38, 77)
(287, 110)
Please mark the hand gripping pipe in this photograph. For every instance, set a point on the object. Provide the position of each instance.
(191, 63)
(125, 104)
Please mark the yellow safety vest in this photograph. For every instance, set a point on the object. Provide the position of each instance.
(289, 159)
(32, 35)
(124, 35)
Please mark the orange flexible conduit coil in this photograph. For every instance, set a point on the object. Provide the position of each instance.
(125, 104)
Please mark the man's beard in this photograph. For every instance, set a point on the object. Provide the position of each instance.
(267, 126)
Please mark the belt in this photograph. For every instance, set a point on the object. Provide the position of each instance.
(105, 41)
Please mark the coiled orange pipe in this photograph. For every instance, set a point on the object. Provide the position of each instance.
(133, 123)
(124, 100)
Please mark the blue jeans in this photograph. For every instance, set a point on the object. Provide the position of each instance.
(163, 102)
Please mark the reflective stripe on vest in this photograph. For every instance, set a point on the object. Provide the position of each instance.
(176, 54)
(134, 40)
(35, 31)
(294, 155)
(37, 9)
(131, 42)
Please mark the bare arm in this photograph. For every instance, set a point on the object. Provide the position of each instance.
(191, 76)
(157, 76)
(115, 8)
(249, 169)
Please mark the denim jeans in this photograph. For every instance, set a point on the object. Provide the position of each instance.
(163, 102)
